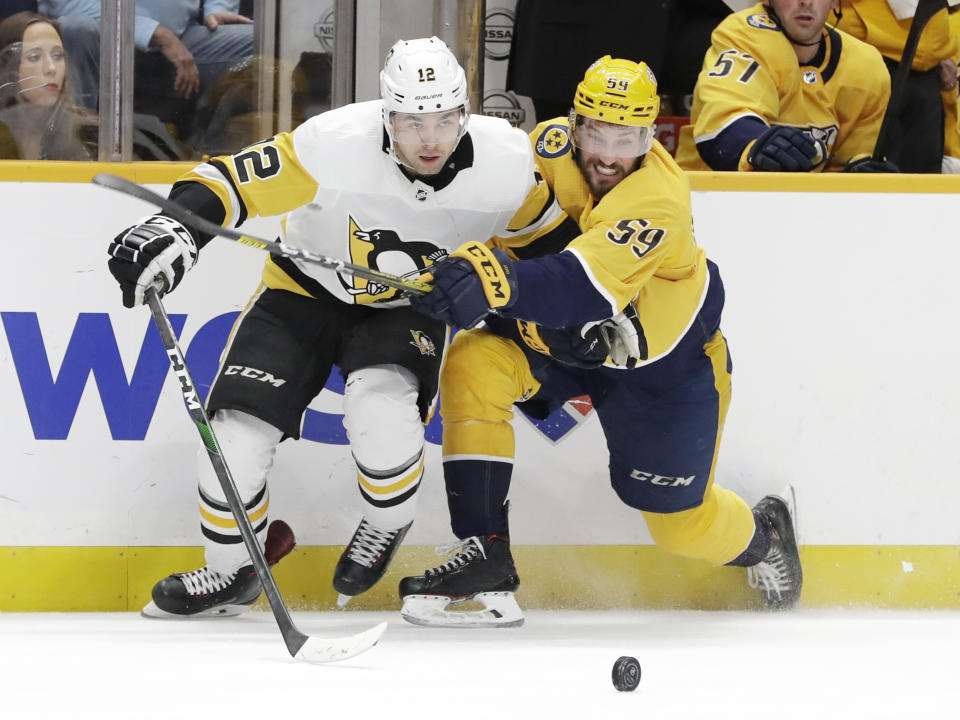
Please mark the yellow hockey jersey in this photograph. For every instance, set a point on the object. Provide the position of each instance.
(751, 79)
(636, 246)
(346, 198)
(874, 22)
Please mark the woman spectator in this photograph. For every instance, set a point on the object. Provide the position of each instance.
(39, 119)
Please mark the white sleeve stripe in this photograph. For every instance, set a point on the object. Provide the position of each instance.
(710, 136)
(210, 172)
(601, 290)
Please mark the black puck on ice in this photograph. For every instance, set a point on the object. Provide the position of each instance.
(626, 673)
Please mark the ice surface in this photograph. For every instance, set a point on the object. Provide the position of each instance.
(806, 664)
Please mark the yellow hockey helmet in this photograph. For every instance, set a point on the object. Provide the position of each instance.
(618, 91)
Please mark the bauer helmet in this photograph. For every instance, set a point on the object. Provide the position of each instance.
(422, 76)
(619, 92)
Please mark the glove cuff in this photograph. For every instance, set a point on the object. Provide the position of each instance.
(494, 276)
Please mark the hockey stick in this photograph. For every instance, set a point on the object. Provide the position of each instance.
(188, 217)
(301, 647)
(926, 9)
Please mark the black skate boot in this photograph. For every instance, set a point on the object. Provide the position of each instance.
(779, 575)
(204, 593)
(208, 593)
(365, 559)
(482, 570)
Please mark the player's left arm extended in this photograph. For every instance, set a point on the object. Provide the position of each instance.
(593, 279)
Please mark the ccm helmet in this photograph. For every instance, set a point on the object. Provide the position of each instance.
(619, 92)
(422, 76)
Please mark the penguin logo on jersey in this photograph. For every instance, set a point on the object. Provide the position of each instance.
(384, 250)
(422, 342)
(553, 142)
(764, 22)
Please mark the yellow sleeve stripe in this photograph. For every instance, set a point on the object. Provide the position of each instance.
(538, 203)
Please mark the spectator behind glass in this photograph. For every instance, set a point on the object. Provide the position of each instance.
(199, 39)
(38, 117)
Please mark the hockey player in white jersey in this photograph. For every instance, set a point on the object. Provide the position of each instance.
(394, 185)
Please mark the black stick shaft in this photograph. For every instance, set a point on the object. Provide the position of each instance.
(191, 219)
(293, 638)
(926, 9)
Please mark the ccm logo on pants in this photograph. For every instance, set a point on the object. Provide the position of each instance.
(654, 479)
(253, 374)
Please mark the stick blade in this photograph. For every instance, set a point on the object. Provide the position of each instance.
(324, 650)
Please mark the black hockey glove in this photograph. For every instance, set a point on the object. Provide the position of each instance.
(869, 165)
(157, 252)
(786, 149)
(467, 285)
(619, 339)
(572, 346)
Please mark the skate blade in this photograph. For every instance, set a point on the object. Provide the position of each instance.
(151, 611)
(342, 600)
(500, 610)
(789, 496)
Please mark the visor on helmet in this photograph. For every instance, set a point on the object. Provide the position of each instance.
(610, 140)
(436, 128)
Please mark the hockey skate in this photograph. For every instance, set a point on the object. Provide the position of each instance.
(207, 593)
(779, 575)
(482, 570)
(365, 559)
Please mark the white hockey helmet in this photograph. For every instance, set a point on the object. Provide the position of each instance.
(422, 76)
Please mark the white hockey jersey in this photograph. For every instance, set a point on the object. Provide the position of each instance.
(348, 199)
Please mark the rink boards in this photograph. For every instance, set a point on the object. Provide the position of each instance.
(841, 326)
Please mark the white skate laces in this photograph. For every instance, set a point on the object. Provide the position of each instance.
(205, 581)
(369, 544)
(467, 550)
(439, 598)
(770, 574)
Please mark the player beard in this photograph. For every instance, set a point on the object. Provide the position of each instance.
(599, 183)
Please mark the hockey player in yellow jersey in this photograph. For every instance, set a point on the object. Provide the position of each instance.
(782, 91)
(628, 313)
(916, 130)
(392, 184)
(950, 87)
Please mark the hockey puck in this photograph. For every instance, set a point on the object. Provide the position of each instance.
(626, 673)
